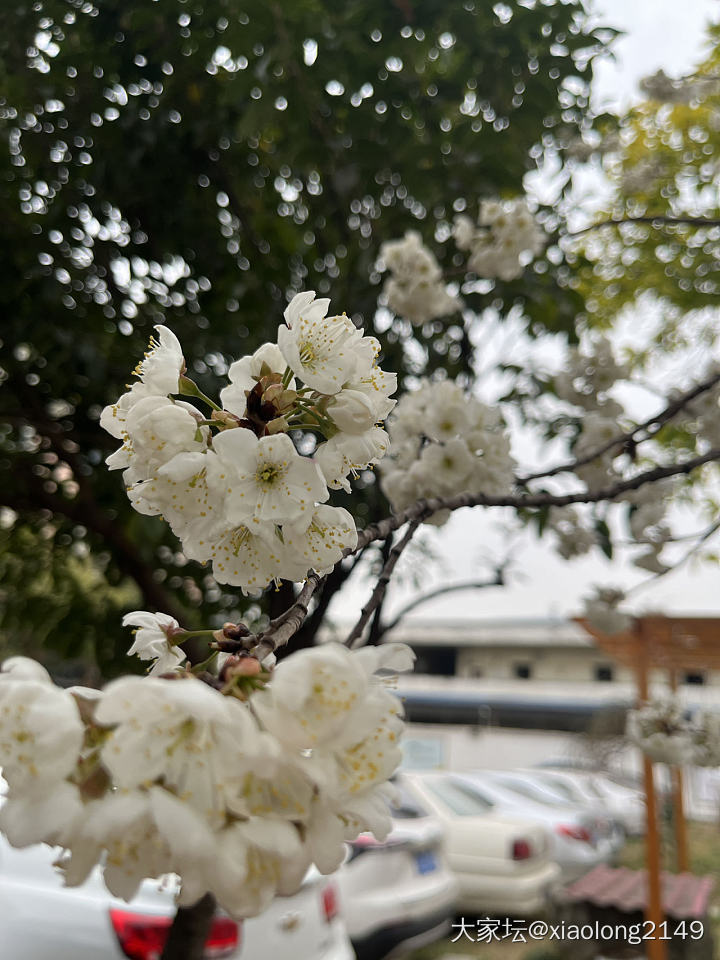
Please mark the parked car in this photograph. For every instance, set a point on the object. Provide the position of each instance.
(502, 865)
(41, 919)
(578, 793)
(575, 844)
(400, 894)
(625, 803)
(626, 807)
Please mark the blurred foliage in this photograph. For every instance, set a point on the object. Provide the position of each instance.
(196, 163)
(663, 159)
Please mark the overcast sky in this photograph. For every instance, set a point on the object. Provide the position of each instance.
(666, 34)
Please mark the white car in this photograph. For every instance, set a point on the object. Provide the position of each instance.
(626, 805)
(502, 865)
(575, 845)
(400, 894)
(608, 834)
(40, 919)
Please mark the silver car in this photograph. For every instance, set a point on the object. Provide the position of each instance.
(577, 841)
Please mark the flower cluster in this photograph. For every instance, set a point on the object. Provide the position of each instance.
(602, 611)
(503, 241)
(586, 382)
(415, 289)
(661, 730)
(232, 485)
(444, 442)
(235, 790)
(667, 733)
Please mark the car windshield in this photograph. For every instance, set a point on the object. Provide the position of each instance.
(560, 787)
(462, 800)
(527, 790)
(595, 789)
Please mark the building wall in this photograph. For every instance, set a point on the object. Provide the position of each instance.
(556, 664)
(552, 664)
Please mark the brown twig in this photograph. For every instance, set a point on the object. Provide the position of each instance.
(651, 426)
(293, 618)
(355, 635)
(288, 623)
(189, 931)
(688, 555)
(498, 581)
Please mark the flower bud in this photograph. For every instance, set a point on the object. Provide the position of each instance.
(240, 665)
(235, 631)
(352, 411)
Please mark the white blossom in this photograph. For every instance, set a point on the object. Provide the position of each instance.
(662, 731)
(650, 560)
(263, 480)
(241, 557)
(163, 365)
(159, 375)
(179, 492)
(40, 732)
(346, 454)
(176, 777)
(352, 411)
(181, 733)
(603, 613)
(415, 288)
(596, 431)
(504, 240)
(320, 544)
(444, 442)
(319, 350)
(154, 640)
(156, 430)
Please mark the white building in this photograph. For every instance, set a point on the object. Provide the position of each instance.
(524, 650)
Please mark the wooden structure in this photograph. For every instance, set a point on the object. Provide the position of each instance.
(674, 645)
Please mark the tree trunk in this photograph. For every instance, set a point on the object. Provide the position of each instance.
(189, 930)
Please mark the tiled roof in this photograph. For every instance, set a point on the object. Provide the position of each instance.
(684, 895)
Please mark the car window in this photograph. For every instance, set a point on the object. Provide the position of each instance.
(462, 800)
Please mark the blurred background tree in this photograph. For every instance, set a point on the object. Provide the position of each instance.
(196, 163)
(662, 160)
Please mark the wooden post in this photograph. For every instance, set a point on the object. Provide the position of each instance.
(682, 860)
(656, 948)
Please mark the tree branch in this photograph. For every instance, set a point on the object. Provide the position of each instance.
(651, 426)
(688, 555)
(189, 931)
(378, 593)
(498, 581)
(659, 218)
(285, 626)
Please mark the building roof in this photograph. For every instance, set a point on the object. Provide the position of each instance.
(516, 632)
(683, 895)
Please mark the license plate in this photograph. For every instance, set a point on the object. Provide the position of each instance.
(425, 861)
